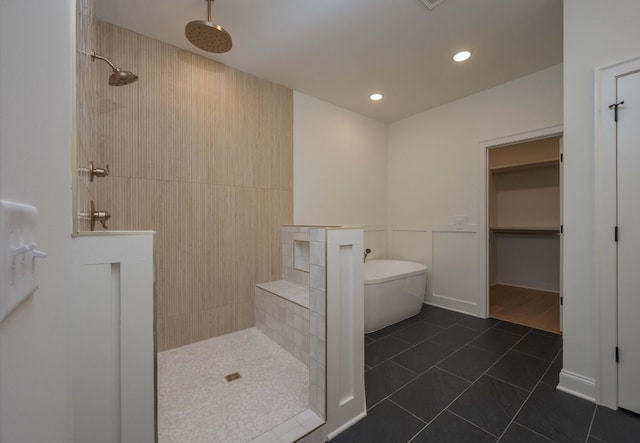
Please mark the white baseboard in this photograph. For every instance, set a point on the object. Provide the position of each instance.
(578, 385)
(525, 287)
(453, 304)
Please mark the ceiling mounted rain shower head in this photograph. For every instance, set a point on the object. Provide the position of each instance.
(207, 35)
(118, 77)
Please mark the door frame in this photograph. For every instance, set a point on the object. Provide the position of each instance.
(605, 220)
(483, 202)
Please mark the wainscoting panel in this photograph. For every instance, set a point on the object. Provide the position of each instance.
(455, 270)
(451, 256)
(412, 243)
(375, 238)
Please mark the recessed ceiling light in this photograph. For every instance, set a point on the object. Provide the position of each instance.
(375, 97)
(462, 56)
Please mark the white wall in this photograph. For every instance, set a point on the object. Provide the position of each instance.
(35, 168)
(528, 261)
(596, 34)
(433, 177)
(340, 169)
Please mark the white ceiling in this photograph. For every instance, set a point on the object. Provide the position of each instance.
(343, 50)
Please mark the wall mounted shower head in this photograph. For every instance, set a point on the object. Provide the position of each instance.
(208, 36)
(117, 77)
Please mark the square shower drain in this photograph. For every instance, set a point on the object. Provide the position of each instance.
(232, 377)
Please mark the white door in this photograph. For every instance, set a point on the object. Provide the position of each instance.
(628, 163)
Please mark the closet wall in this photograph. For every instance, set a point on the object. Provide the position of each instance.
(524, 215)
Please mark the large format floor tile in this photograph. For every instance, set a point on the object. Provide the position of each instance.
(418, 332)
(495, 340)
(386, 423)
(423, 356)
(557, 415)
(519, 434)
(381, 350)
(469, 362)
(452, 429)
(385, 379)
(500, 402)
(513, 328)
(430, 393)
(544, 346)
(552, 376)
(479, 324)
(520, 369)
(616, 426)
(455, 336)
(441, 376)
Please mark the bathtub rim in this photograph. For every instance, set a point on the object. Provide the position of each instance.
(389, 278)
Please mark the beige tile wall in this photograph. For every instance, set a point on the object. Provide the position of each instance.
(284, 322)
(318, 323)
(203, 154)
(291, 235)
(86, 105)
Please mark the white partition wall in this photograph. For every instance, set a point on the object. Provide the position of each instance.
(112, 331)
(345, 334)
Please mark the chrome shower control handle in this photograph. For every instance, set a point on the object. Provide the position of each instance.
(102, 217)
(93, 216)
(97, 172)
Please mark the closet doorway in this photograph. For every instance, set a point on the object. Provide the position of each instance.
(524, 250)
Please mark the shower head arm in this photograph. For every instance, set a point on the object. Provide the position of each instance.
(105, 59)
(209, 10)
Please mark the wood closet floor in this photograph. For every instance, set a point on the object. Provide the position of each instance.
(529, 307)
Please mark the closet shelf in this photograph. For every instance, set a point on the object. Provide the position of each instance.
(526, 230)
(522, 166)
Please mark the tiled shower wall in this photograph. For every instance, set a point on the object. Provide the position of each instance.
(86, 104)
(203, 154)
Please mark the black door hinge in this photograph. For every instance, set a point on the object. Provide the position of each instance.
(561, 158)
(615, 109)
(561, 229)
(615, 234)
(617, 354)
(561, 301)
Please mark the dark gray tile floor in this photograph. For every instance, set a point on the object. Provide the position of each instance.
(447, 377)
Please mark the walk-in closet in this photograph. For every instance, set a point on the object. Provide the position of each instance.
(525, 183)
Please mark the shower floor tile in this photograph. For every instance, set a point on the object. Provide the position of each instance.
(197, 405)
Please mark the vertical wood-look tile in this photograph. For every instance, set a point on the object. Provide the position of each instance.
(222, 282)
(86, 106)
(220, 320)
(284, 137)
(178, 146)
(243, 315)
(201, 153)
(220, 117)
(263, 230)
(201, 122)
(245, 244)
(152, 109)
(118, 106)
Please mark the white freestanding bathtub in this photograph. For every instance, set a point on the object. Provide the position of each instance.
(393, 290)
